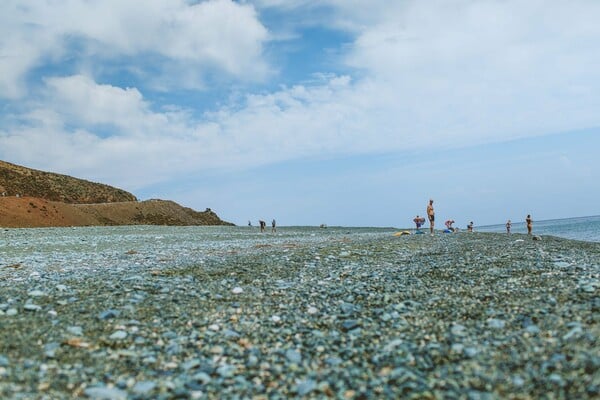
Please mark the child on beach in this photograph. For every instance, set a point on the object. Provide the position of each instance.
(529, 222)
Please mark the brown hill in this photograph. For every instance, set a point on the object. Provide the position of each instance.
(30, 212)
(17, 180)
(31, 198)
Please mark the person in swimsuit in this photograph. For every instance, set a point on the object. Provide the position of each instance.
(431, 216)
(529, 222)
(508, 225)
(470, 227)
(449, 225)
(419, 222)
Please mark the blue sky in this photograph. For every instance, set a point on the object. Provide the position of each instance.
(344, 112)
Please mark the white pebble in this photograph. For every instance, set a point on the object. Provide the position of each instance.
(237, 290)
(118, 335)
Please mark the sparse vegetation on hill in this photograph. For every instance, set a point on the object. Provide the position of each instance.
(17, 180)
(29, 212)
(32, 198)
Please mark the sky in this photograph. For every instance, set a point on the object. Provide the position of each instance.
(338, 112)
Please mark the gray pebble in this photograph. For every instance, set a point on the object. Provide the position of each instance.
(108, 314)
(118, 335)
(75, 330)
(350, 324)
(144, 387)
(305, 387)
(293, 356)
(495, 323)
(105, 393)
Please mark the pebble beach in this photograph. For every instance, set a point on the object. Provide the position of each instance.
(227, 312)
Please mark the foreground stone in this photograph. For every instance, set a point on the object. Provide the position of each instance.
(473, 316)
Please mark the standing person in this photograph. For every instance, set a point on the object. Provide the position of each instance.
(263, 224)
(508, 225)
(273, 224)
(529, 222)
(431, 216)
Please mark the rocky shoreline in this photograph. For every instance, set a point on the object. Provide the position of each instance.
(313, 315)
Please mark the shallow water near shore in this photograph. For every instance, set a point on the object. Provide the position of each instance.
(580, 228)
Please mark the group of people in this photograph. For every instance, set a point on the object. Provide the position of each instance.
(528, 222)
(420, 221)
(263, 225)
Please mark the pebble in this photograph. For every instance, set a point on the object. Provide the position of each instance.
(350, 324)
(306, 386)
(202, 377)
(118, 335)
(495, 323)
(105, 393)
(459, 330)
(226, 371)
(108, 314)
(144, 387)
(573, 333)
(75, 330)
(341, 314)
(312, 310)
(293, 356)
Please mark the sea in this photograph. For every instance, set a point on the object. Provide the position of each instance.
(581, 228)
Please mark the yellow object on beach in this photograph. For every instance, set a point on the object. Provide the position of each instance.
(402, 233)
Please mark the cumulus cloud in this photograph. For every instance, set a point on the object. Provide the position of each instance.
(181, 36)
(421, 75)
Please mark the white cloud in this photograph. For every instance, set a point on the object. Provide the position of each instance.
(211, 35)
(430, 76)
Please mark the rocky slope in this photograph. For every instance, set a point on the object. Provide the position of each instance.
(31, 198)
(17, 180)
(31, 212)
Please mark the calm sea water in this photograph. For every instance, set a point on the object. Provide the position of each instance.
(581, 228)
